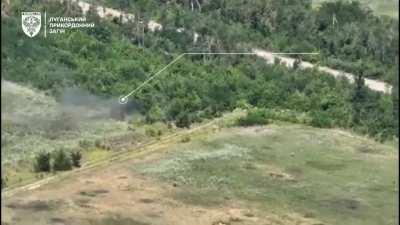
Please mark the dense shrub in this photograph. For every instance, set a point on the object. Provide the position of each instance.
(151, 132)
(183, 120)
(42, 162)
(198, 87)
(321, 119)
(254, 117)
(62, 161)
(3, 183)
(154, 114)
(76, 158)
(84, 143)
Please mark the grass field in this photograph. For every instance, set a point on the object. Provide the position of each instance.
(277, 174)
(381, 7)
(324, 174)
(33, 121)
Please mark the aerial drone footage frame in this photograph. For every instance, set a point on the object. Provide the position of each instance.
(200, 112)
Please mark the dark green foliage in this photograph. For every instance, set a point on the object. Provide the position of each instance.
(254, 117)
(3, 183)
(102, 33)
(42, 162)
(76, 158)
(151, 132)
(321, 119)
(107, 61)
(395, 100)
(183, 120)
(359, 98)
(62, 161)
(154, 114)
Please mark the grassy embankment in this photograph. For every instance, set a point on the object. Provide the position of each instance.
(33, 122)
(326, 174)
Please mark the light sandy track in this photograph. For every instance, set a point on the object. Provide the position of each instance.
(137, 151)
(288, 62)
(375, 85)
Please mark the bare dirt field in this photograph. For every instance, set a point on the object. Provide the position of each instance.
(263, 175)
(117, 195)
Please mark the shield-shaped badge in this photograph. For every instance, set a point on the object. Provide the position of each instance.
(31, 23)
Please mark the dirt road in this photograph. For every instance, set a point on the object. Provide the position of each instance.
(375, 85)
(372, 84)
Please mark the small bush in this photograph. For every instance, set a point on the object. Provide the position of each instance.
(151, 132)
(61, 161)
(98, 143)
(154, 114)
(42, 162)
(185, 139)
(320, 119)
(3, 183)
(254, 117)
(183, 120)
(243, 104)
(76, 158)
(85, 143)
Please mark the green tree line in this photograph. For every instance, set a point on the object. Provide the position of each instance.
(109, 61)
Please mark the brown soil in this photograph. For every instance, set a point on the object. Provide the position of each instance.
(118, 195)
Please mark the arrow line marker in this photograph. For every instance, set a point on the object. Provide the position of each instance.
(124, 99)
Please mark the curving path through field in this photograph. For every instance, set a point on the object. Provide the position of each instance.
(153, 146)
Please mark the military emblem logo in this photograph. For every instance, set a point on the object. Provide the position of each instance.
(31, 23)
